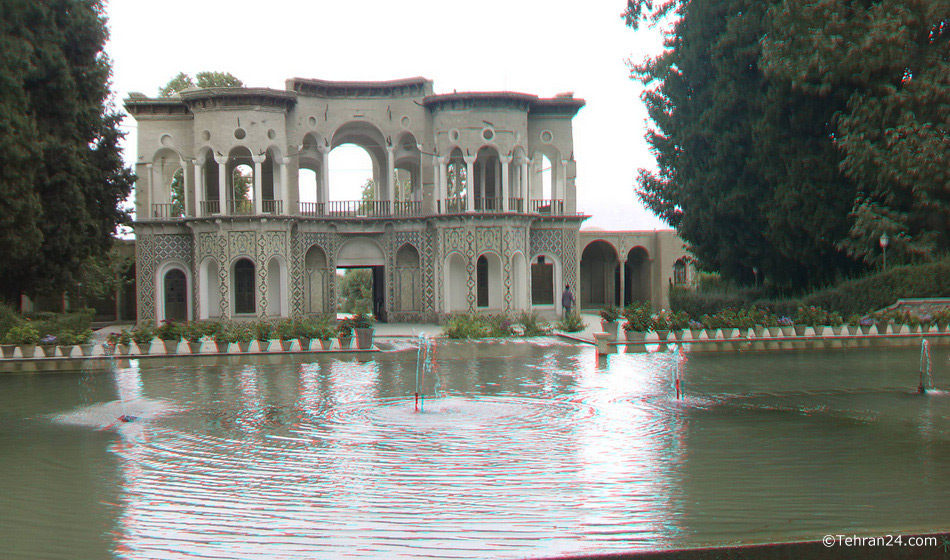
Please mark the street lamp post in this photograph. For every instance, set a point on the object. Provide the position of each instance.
(884, 241)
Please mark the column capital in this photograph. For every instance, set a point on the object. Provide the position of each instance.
(284, 160)
(505, 159)
(470, 159)
(441, 160)
(220, 159)
(258, 158)
(323, 149)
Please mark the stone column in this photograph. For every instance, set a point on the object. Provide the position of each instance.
(224, 197)
(390, 193)
(187, 201)
(149, 193)
(199, 184)
(481, 181)
(469, 179)
(623, 276)
(323, 189)
(523, 183)
(285, 186)
(562, 182)
(505, 160)
(441, 165)
(258, 183)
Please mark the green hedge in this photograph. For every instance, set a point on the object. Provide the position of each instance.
(857, 296)
(47, 322)
(9, 318)
(880, 290)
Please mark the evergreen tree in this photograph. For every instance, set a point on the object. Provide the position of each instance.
(61, 175)
(747, 172)
(891, 60)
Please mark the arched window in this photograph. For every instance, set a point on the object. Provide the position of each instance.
(244, 300)
(679, 272)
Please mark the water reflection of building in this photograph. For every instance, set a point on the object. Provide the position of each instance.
(474, 206)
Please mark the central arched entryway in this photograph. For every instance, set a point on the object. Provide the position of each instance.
(364, 253)
(599, 264)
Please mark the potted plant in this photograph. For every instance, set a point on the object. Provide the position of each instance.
(661, 324)
(65, 342)
(304, 332)
(679, 321)
(263, 332)
(835, 322)
(143, 336)
(345, 333)
(193, 333)
(609, 315)
(637, 324)
(787, 325)
(23, 336)
(695, 328)
(363, 325)
(49, 343)
(240, 335)
(324, 332)
(222, 339)
(286, 333)
(170, 335)
(119, 342)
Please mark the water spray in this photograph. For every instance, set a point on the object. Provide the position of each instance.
(678, 372)
(926, 364)
(425, 359)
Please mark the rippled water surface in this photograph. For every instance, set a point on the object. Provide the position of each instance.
(529, 450)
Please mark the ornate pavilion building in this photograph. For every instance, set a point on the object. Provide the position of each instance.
(474, 206)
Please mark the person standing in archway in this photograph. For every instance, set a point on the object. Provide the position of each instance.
(567, 300)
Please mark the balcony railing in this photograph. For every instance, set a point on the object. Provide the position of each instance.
(164, 211)
(242, 207)
(516, 205)
(210, 207)
(547, 206)
(487, 204)
(360, 209)
(403, 209)
(272, 206)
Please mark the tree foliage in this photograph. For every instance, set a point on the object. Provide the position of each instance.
(779, 150)
(202, 79)
(356, 291)
(892, 60)
(61, 174)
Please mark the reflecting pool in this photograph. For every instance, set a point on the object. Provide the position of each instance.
(529, 450)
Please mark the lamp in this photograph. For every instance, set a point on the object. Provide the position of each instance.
(884, 241)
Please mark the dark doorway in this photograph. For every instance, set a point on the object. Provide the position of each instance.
(176, 295)
(244, 300)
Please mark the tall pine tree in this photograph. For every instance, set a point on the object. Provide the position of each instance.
(62, 178)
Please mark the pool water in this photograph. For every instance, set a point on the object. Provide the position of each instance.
(530, 450)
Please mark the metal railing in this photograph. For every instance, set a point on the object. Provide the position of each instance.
(272, 206)
(359, 208)
(242, 207)
(165, 211)
(410, 208)
(210, 207)
(547, 206)
(487, 204)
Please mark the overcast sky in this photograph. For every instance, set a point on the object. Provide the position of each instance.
(531, 46)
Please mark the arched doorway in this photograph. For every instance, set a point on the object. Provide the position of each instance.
(175, 296)
(637, 284)
(599, 264)
(363, 252)
(488, 282)
(245, 301)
